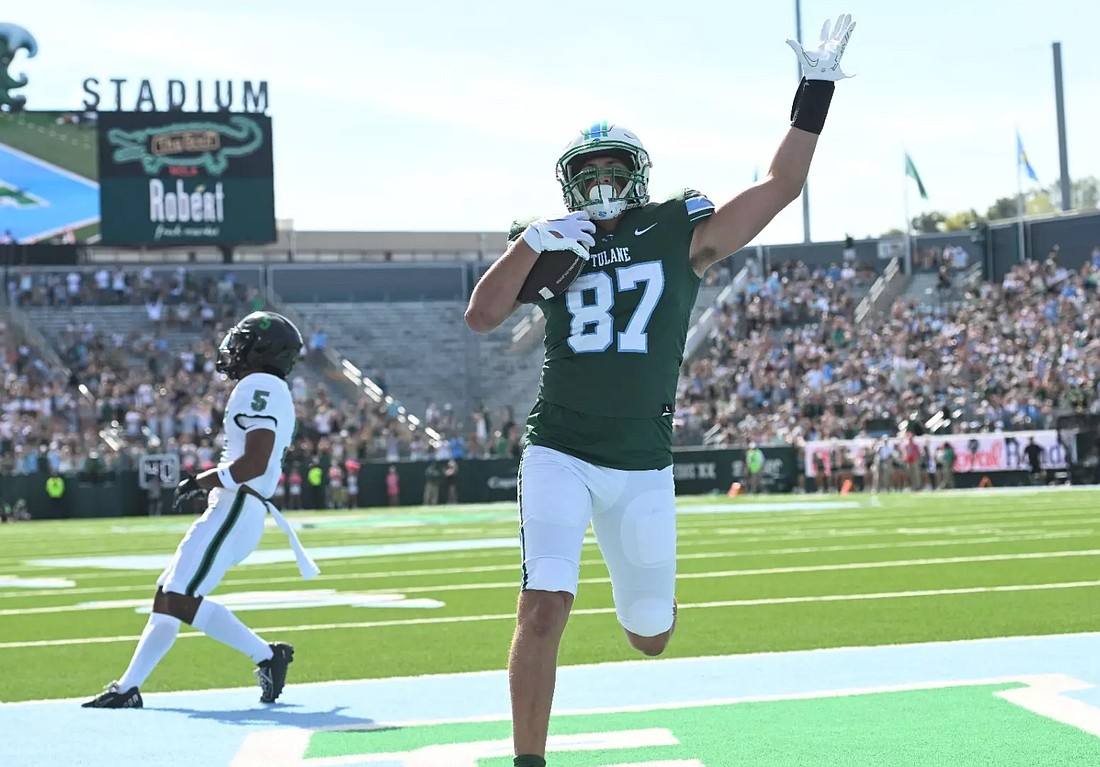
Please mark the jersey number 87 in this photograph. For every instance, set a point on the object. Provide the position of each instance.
(592, 326)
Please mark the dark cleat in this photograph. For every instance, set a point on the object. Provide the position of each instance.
(113, 697)
(271, 674)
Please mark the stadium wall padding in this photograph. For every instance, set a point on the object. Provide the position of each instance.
(698, 471)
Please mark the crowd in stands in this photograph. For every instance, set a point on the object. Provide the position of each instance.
(786, 362)
(1006, 356)
(122, 394)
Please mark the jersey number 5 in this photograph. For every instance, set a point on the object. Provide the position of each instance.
(259, 400)
(592, 328)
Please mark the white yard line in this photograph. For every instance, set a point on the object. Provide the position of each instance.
(447, 620)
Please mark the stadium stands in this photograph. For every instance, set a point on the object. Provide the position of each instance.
(786, 361)
(127, 358)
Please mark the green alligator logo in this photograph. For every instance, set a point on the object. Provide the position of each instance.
(13, 39)
(207, 145)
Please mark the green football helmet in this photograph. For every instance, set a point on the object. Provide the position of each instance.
(604, 202)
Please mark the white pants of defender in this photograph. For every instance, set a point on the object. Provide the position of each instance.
(228, 531)
(633, 514)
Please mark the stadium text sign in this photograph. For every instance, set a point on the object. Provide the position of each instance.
(986, 452)
(174, 95)
(178, 179)
(177, 95)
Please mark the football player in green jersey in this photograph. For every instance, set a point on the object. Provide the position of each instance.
(598, 441)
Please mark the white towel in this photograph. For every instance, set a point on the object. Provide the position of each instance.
(306, 566)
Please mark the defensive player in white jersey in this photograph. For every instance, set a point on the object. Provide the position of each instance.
(258, 352)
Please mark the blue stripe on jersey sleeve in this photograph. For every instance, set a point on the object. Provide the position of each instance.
(698, 207)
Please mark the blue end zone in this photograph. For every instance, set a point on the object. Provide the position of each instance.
(221, 726)
(60, 199)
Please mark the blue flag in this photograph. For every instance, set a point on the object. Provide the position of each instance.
(1022, 161)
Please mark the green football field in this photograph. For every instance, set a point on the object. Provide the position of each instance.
(48, 137)
(415, 591)
(39, 134)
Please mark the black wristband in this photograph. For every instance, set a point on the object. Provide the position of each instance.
(811, 104)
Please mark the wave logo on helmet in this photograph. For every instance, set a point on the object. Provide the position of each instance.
(604, 191)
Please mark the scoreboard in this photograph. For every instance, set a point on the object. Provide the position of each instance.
(185, 178)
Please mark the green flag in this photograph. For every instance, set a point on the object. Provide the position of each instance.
(911, 171)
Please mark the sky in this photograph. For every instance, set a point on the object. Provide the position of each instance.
(440, 116)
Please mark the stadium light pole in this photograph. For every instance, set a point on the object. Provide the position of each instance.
(805, 186)
(1060, 107)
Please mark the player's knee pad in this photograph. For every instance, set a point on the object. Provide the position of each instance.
(646, 616)
(550, 574)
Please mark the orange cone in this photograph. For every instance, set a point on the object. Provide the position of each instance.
(735, 490)
(986, 482)
(846, 487)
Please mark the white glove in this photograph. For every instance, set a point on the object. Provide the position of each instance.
(823, 63)
(572, 232)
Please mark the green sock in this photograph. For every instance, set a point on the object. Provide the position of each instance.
(529, 760)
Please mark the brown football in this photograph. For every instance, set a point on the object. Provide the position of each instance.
(553, 272)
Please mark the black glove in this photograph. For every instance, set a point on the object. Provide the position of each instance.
(186, 492)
